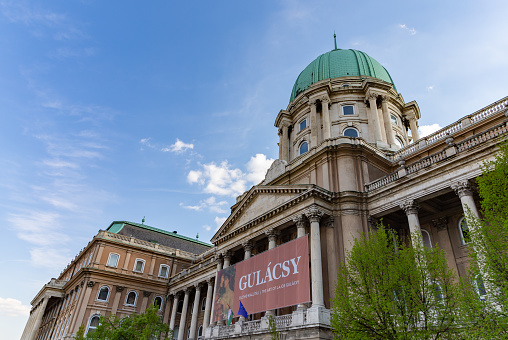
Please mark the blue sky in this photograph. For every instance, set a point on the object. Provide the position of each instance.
(115, 110)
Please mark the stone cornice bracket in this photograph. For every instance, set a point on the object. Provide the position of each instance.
(314, 214)
(90, 284)
(146, 293)
(324, 100)
(373, 222)
(299, 221)
(371, 95)
(462, 188)
(440, 223)
(312, 101)
(385, 97)
(247, 245)
(272, 234)
(410, 207)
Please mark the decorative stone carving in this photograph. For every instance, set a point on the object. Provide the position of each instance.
(119, 288)
(272, 234)
(247, 245)
(210, 280)
(277, 168)
(462, 188)
(329, 222)
(440, 223)
(146, 293)
(90, 284)
(226, 255)
(299, 221)
(314, 214)
(410, 207)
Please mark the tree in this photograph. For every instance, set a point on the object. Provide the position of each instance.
(388, 290)
(487, 315)
(145, 326)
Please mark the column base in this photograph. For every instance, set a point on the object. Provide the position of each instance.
(298, 318)
(238, 326)
(318, 315)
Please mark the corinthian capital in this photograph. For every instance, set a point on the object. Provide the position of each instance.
(462, 188)
(410, 207)
(272, 234)
(247, 245)
(314, 214)
(299, 221)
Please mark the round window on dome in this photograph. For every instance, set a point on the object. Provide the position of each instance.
(350, 132)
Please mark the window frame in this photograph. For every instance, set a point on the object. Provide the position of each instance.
(396, 122)
(99, 293)
(300, 147)
(476, 286)
(303, 121)
(135, 298)
(136, 264)
(167, 271)
(428, 234)
(109, 259)
(90, 321)
(200, 331)
(179, 307)
(351, 128)
(342, 106)
(203, 304)
(162, 301)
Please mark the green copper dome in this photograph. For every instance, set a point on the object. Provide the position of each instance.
(339, 63)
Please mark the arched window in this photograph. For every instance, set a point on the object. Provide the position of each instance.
(164, 271)
(103, 293)
(427, 242)
(131, 298)
(304, 147)
(479, 287)
(463, 230)
(93, 324)
(200, 330)
(393, 118)
(180, 306)
(203, 304)
(350, 132)
(157, 302)
(399, 142)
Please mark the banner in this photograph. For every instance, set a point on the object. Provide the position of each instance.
(273, 279)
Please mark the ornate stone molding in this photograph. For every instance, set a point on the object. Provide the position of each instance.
(440, 223)
(198, 285)
(146, 293)
(299, 221)
(462, 188)
(119, 288)
(410, 207)
(210, 280)
(90, 284)
(226, 254)
(314, 214)
(330, 222)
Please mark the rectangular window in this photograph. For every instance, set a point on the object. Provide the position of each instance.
(303, 124)
(113, 260)
(163, 272)
(140, 264)
(348, 110)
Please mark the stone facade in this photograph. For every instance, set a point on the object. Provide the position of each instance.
(349, 155)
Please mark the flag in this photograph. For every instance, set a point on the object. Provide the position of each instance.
(242, 311)
(230, 315)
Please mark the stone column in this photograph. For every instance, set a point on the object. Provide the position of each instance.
(300, 231)
(176, 298)
(411, 208)
(144, 303)
(414, 128)
(195, 311)
(218, 258)
(390, 138)
(208, 308)
(441, 224)
(327, 125)
(183, 316)
(313, 124)
(331, 255)
(38, 320)
(125, 267)
(227, 259)
(247, 246)
(272, 235)
(284, 140)
(314, 215)
(373, 118)
(116, 301)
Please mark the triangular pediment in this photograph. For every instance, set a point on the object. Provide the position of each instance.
(259, 202)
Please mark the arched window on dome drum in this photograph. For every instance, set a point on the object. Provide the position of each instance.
(398, 142)
(304, 147)
(393, 118)
(350, 132)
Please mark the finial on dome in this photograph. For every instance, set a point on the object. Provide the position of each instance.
(335, 39)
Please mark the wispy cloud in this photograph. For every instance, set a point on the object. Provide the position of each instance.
(409, 30)
(178, 147)
(219, 221)
(11, 308)
(211, 204)
(51, 258)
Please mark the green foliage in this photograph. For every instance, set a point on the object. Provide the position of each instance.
(272, 328)
(145, 326)
(487, 318)
(387, 290)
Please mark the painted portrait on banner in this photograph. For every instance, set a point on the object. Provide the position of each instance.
(224, 297)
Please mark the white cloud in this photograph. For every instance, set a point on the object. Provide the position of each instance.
(13, 307)
(210, 203)
(426, 130)
(223, 180)
(54, 259)
(430, 88)
(178, 147)
(411, 31)
(207, 227)
(219, 221)
(38, 228)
